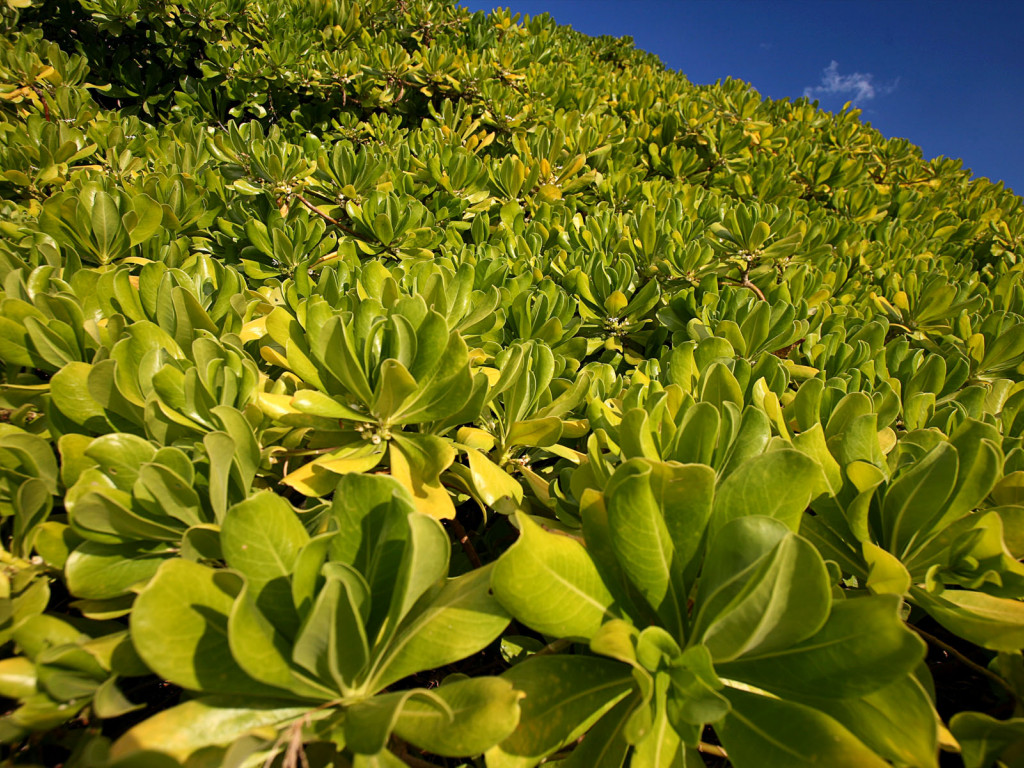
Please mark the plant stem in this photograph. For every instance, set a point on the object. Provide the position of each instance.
(711, 749)
(554, 646)
(467, 545)
(965, 661)
(327, 218)
(745, 282)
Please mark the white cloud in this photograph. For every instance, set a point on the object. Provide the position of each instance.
(858, 86)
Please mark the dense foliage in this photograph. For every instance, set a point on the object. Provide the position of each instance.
(387, 384)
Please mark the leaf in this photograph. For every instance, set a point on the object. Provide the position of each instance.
(491, 483)
(535, 433)
(481, 712)
(996, 623)
(565, 695)
(369, 721)
(374, 535)
(886, 574)
(763, 589)
(864, 646)
(898, 721)
(983, 739)
(779, 484)
(261, 538)
(98, 571)
(650, 507)
(661, 746)
(264, 652)
(812, 443)
(917, 497)
(149, 218)
(761, 732)
(332, 642)
(183, 730)
(106, 225)
(179, 626)
(109, 701)
(548, 581)
(606, 744)
(417, 462)
(461, 619)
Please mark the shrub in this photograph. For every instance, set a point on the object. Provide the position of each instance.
(386, 384)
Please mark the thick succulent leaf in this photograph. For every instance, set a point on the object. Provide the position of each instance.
(183, 730)
(898, 721)
(565, 696)
(98, 571)
(779, 484)
(480, 713)
(996, 623)
(983, 739)
(264, 652)
(450, 623)
(657, 515)
(763, 732)
(862, 647)
(331, 644)
(376, 538)
(179, 625)
(763, 589)
(548, 581)
(607, 743)
(261, 538)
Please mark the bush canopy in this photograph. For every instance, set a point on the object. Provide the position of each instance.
(386, 384)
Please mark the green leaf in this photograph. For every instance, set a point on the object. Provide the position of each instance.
(481, 712)
(369, 721)
(983, 739)
(106, 224)
(779, 484)
(98, 571)
(607, 743)
(374, 533)
(548, 581)
(491, 482)
(535, 433)
(264, 652)
(318, 404)
(760, 732)
(650, 508)
(565, 696)
(179, 625)
(898, 721)
(261, 538)
(864, 646)
(996, 623)
(149, 218)
(183, 730)
(332, 644)
(917, 497)
(886, 574)
(763, 589)
(660, 746)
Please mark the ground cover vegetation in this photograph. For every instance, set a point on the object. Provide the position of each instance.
(385, 384)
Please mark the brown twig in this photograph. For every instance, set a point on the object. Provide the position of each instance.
(964, 660)
(327, 218)
(745, 282)
(401, 750)
(467, 545)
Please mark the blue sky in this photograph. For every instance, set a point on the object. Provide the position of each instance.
(948, 76)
